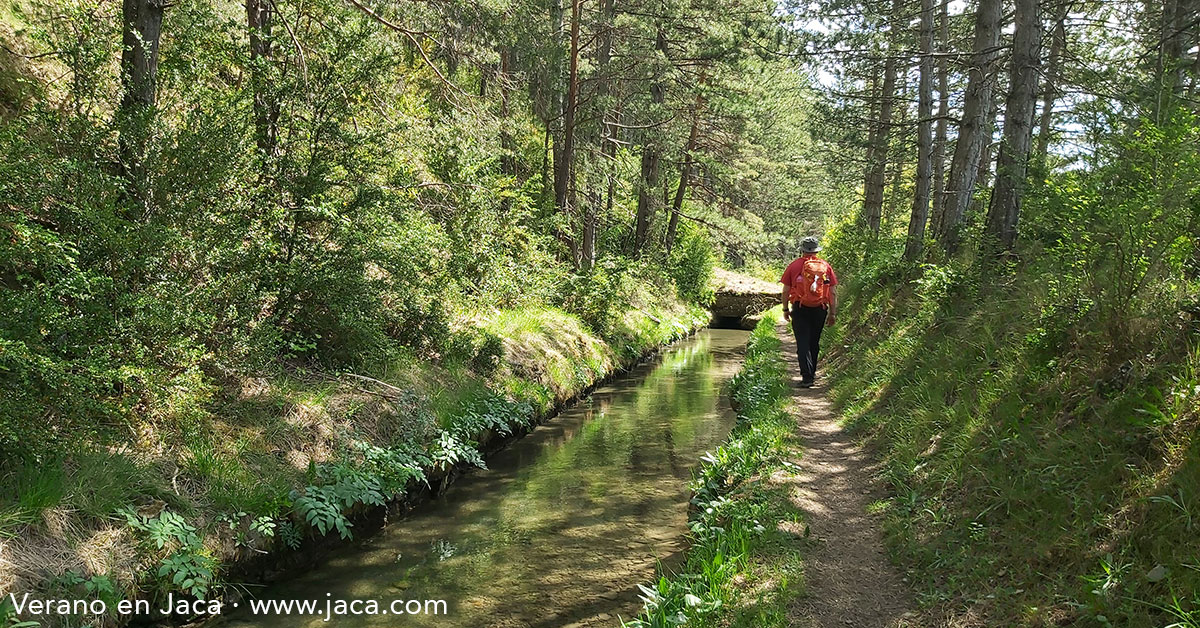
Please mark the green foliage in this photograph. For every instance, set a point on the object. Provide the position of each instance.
(290, 536)
(449, 450)
(188, 567)
(188, 571)
(601, 296)
(96, 586)
(211, 309)
(479, 349)
(343, 487)
(394, 468)
(1034, 418)
(321, 506)
(692, 262)
(167, 528)
(491, 412)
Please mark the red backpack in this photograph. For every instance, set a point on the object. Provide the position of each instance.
(811, 286)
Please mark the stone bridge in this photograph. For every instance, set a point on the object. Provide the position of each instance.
(741, 299)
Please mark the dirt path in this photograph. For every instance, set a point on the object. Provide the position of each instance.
(849, 580)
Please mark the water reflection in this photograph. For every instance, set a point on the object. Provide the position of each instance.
(565, 522)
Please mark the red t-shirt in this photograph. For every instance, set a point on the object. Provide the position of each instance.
(793, 269)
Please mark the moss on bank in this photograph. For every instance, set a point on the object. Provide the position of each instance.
(743, 567)
(267, 461)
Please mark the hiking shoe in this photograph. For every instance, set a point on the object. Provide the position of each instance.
(806, 384)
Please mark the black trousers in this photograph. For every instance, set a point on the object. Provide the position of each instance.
(807, 324)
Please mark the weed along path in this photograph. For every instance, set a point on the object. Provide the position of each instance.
(564, 523)
(849, 580)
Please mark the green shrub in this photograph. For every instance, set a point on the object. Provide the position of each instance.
(692, 262)
(602, 296)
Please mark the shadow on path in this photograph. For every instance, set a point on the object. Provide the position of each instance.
(850, 581)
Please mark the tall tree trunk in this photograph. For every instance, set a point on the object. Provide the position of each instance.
(877, 167)
(565, 174)
(973, 130)
(1171, 51)
(685, 172)
(607, 132)
(920, 208)
(874, 99)
(266, 106)
(1179, 32)
(563, 169)
(977, 206)
(1050, 86)
(141, 26)
(612, 169)
(650, 175)
(940, 138)
(587, 250)
(557, 99)
(1013, 160)
(508, 160)
(900, 152)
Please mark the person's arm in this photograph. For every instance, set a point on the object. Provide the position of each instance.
(832, 317)
(783, 298)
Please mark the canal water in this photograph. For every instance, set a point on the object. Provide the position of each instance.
(563, 525)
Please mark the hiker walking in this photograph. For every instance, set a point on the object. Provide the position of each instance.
(809, 299)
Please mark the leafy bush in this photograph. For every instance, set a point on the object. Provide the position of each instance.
(187, 568)
(324, 506)
(491, 411)
(394, 467)
(691, 264)
(601, 296)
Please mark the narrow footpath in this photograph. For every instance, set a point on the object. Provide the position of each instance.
(848, 578)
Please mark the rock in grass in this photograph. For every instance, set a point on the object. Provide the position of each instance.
(1157, 574)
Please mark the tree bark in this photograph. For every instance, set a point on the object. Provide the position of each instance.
(650, 175)
(898, 163)
(920, 208)
(940, 138)
(565, 175)
(1050, 86)
(875, 98)
(607, 132)
(977, 206)
(141, 29)
(266, 106)
(508, 160)
(557, 99)
(1179, 33)
(1013, 160)
(973, 130)
(685, 172)
(563, 169)
(873, 186)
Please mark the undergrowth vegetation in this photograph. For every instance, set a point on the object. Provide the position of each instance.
(743, 566)
(1037, 416)
(267, 265)
(272, 459)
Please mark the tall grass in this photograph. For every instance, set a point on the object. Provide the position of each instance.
(1043, 456)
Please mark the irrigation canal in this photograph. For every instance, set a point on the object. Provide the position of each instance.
(562, 526)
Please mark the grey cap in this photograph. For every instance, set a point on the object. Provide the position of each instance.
(810, 245)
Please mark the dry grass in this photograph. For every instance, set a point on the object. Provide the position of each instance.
(63, 545)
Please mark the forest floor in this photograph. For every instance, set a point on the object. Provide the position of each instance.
(849, 580)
